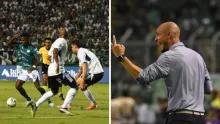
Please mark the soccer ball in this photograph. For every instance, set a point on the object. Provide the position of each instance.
(11, 102)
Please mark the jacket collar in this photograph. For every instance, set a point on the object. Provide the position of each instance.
(176, 45)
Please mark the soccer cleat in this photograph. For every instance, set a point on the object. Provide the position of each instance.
(68, 107)
(90, 107)
(61, 97)
(33, 110)
(64, 110)
(29, 103)
(51, 104)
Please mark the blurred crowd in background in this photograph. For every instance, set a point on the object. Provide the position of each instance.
(85, 20)
(134, 22)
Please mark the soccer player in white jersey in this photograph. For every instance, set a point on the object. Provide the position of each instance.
(56, 74)
(90, 71)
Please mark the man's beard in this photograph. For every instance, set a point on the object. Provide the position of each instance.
(164, 50)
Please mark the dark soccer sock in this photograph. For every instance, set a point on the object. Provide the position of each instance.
(24, 94)
(49, 101)
(41, 90)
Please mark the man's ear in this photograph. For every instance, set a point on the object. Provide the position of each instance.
(169, 34)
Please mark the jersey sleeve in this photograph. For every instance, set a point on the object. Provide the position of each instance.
(35, 52)
(81, 56)
(40, 51)
(58, 44)
(14, 52)
(208, 82)
(158, 69)
(17, 47)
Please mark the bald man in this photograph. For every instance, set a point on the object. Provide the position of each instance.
(56, 75)
(184, 70)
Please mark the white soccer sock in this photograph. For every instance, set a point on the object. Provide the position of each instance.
(44, 98)
(69, 97)
(89, 96)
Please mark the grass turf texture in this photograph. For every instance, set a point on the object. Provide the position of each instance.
(47, 115)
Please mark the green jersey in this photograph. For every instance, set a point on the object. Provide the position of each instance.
(17, 54)
(28, 54)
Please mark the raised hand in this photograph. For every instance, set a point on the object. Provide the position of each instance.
(16, 36)
(117, 49)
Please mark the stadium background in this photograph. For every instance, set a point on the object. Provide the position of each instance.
(85, 20)
(134, 23)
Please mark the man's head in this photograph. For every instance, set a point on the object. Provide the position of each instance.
(25, 39)
(47, 43)
(167, 34)
(75, 45)
(62, 33)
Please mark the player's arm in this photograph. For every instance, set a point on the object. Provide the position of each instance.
(37, 60)
(14, 58)
(41, 55)
(37, 63)
(84, 70)
(81, 81)
(10, 41)
(82, 59)
(49, 57)
(55, 55)
(79, 72)
(37, 57)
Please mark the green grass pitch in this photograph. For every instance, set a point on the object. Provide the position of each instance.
(47, 115)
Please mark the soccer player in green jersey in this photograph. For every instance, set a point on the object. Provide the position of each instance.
(17, 58)
(30, 59)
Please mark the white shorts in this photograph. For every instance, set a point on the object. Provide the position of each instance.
(24, 76)
(52, 69)
(19, 70)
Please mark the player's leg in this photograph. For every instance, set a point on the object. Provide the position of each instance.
(54, 85)
(53, 82)
(45, 87)
(45, 80)
(69, 97)
(34, 75)
(45, 76)
(42, 91)
(90, 97)
(68, 80)
(21, 90)
(19, 83)
(61, 92)
(88, 93)
(38, 87)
